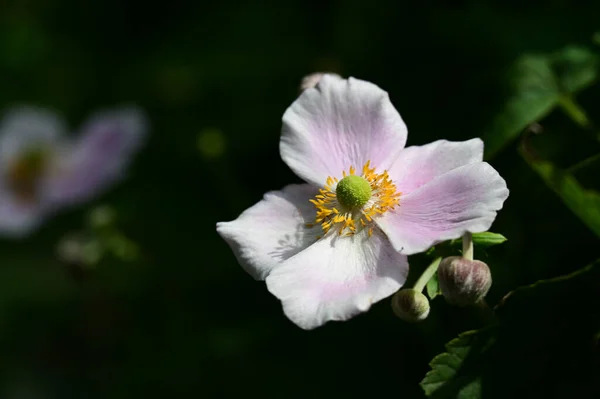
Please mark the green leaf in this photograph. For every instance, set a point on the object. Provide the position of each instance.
(536, 84)
(541, 346)
(576, 68)
(447, 377)
(433, 287)
(483, 240)
(585, 204)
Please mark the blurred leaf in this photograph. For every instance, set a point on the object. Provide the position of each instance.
(537, 84)
(433, 287)
(584, 203)
(544, 344)
(576, 68)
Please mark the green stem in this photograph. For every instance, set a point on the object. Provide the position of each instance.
(574, 111)
(468, 250)
(585, 163)
(427, 275)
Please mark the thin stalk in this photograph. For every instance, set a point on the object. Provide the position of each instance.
(468, 250)
(427, 275)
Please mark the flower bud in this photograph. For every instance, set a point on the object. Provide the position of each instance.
(464, 282)
(79, 252)
(410, 305)
(310, 81)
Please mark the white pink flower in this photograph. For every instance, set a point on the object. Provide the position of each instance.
(332, 247)
(43, 170)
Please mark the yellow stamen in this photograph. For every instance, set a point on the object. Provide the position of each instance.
(331, 213)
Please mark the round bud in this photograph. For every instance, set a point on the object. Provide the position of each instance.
(79, 252)
(310, 81)
(410, 305)
(464, 282)
(101, 216)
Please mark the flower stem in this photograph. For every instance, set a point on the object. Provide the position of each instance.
(583, 164)
(468, 246)
(427, 274)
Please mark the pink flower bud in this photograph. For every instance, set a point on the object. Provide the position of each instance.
(464, 282)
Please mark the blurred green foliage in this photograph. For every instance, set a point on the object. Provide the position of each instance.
(215, 78)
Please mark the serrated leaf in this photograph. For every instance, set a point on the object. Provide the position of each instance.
(585, 204)
(536, 84)
(542, 344)
(445, 375)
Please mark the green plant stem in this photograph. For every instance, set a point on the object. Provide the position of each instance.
(427, 275)
(468, 250)
(583, 164)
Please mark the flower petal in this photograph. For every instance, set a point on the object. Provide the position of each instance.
(418, 165)
(338, 124)
(99, 157)
(18, 220)
(337, 278)
(272, 230)
(26, 128)
(463, 200)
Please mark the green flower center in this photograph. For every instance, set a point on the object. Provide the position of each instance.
(353, 192)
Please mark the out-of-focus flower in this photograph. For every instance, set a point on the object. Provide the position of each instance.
(331, 248)
(42, 170)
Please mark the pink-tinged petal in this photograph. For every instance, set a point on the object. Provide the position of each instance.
(272, 230)
(99, 157)
(338, 124)
(465, 199)
(417, 165)
(337, 278)
(28, 128)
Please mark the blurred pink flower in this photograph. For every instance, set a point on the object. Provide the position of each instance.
(330, 248)
(43, 170)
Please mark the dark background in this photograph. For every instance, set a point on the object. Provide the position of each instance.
(185, 320)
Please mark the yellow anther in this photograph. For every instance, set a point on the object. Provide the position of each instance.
(330, 213)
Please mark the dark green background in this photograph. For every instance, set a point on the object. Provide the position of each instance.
(185, 320)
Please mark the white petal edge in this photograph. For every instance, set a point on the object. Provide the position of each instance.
(272, 230)
(18, 220)
(466, 199)
(27, 127)
(417, 165)
(337, 278)
(338, 124)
